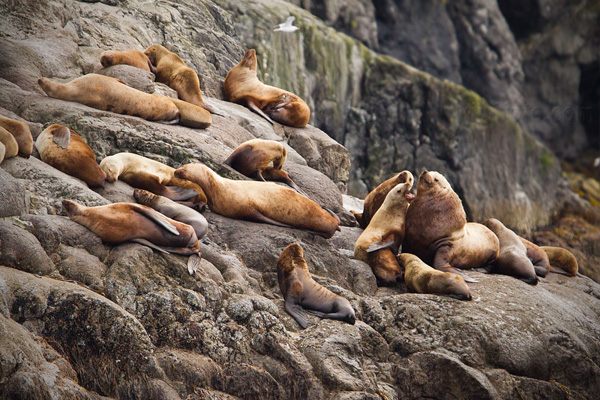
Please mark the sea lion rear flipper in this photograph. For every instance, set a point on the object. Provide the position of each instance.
(260, 112)
(149, 244)
(193, 263)
(157, 217)
(62, 137)
(297, 313)
(177, 193)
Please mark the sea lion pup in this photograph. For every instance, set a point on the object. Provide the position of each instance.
(438, 233)
(111, 94)
(11, 147)
(252, 159)
(173, 210)
(375, 198)
(260, 201)
(129, 222)
(378, 244)
(172, 71)
(537, 256)
(135, 58)
(421, 278)
(243, 87)
(562, 259)
(512, 257)
(156, 177)
(301, 293)
(191, 115)
(22, 134)
(66, 151)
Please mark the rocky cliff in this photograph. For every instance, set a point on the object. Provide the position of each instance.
(80, 319)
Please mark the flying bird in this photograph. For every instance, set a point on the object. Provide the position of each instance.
(287, 26)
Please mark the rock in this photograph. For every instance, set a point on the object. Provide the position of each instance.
(14, 200)
(248, 382)
(81, 266)
(137, 78)
(21, 250)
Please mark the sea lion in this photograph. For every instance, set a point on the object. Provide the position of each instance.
(562, 259)
(537, 256)
(21, 133)
(301, 293)
(191, 115)
(421, 278)
(438, 233)
(173, 210)
(66, 151)
(242, 86)
(11, 147)
(512, 256)
(260, 201)
(156, 177)
(379, 243)
(129, 222)
(375, 198)
(172, 71)
(135, 58)
(112, 94)
(252, 159)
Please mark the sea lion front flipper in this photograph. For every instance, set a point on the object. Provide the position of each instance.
(157, 217)
(339, 316)
(460, 273)
(297, 313)
(260, 112)
(388, 241)
(62, 137)
(259, 217)
(174, 121)
(555, 270)
(150, 244)
(177, 193)
(193, 263)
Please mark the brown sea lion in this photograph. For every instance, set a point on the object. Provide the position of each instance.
(111, 94)
(421, 278)
(438, 233)
(22, 134)
(512, 256)
(301, 293)
(129, 222)
(11, 147)
(380, 241)
(537, 256)
(66, 151)
(191, 115)
(260, 201)
(242, 86)
(156, 177)
(375, 198)
(252, 159)
(135, 58)
(172, 71)
(562, 259)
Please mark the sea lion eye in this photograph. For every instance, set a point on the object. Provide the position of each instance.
(436, 179)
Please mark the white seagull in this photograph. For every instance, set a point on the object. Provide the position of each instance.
(287, 26)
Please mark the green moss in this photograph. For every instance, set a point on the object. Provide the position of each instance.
(546, 160)
(472, 102)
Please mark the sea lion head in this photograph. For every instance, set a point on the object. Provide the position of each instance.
(400, 195)
(47, 86)
(106, 59)
(198, 173)
(292, 256)
(249, 60)
(494, 225)
(289, 110)
(113, 167)
(453, 286)
(432, 182)
(155, 53)
(406, 177)
(71, 207)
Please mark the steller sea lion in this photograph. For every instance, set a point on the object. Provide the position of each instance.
(512, 256)
(260, 201)
(379, 243)
(66, 151)
(375, 198)
(173, 210)
(301, 293)
(129, 222)
(11, 147)
(112, 94)
(421, 278)
(156, 177)
(252, 159)
(537, 256)
(242, 86)
(135, 58)
(21, 133)
(438, 233)
(172, 71)
(562, 259)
